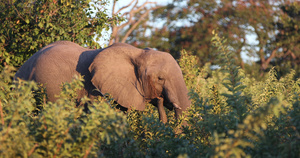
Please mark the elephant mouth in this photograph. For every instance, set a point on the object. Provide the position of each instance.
(171, 105)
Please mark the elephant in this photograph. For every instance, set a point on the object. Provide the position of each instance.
(132, 76)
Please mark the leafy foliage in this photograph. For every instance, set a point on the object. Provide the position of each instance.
(27, 26)
(232, 115)
(267, 31)
(59, 129)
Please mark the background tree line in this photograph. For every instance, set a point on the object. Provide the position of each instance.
(273, 24)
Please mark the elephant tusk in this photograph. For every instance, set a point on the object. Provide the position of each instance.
(176, 106)
(159, 98)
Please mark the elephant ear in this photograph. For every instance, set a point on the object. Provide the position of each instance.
(114, 72)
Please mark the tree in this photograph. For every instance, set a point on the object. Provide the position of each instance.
(272, 24)
(288, 38)
(28, 25)
(188, 25)
(135, 16)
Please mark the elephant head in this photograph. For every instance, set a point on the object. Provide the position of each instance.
(135, 76)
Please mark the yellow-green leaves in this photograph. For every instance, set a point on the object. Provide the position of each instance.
(30, 127)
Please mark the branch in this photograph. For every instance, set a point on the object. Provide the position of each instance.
(261, 54)
(289, 52)
(266, 62)
(124, 7)
(60, 143)
(273, 54)
(130, 16)
(18, 13)
(32, 150)
(137, 23)
(87, 152)
(115, 29)
(113, 8)
(133, 11)
(142, 6)
(1, 113)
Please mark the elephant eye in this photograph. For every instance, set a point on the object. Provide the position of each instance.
(160, 79)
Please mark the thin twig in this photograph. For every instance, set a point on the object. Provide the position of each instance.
(9, 126)
(87, 152)
(33, 149)
(60, 143)
(1, 113)
(142, 7)
(123, 8)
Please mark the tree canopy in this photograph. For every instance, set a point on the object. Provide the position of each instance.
(27, 25)
(272, 24)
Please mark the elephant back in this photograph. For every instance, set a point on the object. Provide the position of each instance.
(53, 65)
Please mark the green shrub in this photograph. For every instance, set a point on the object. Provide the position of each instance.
(59, 129)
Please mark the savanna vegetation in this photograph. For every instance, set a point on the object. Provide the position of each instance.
(233, 113)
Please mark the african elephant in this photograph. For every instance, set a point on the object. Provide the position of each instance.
(131, 75)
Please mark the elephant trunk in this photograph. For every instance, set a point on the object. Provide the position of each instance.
(178, 114)
(181, 102)
(161, 110)
(178, 97)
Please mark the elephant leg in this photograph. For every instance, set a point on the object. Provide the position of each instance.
(161, 110)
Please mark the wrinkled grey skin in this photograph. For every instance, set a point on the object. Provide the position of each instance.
(132, 76)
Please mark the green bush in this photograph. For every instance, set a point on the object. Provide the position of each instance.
(58, 129)
(232, 115)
